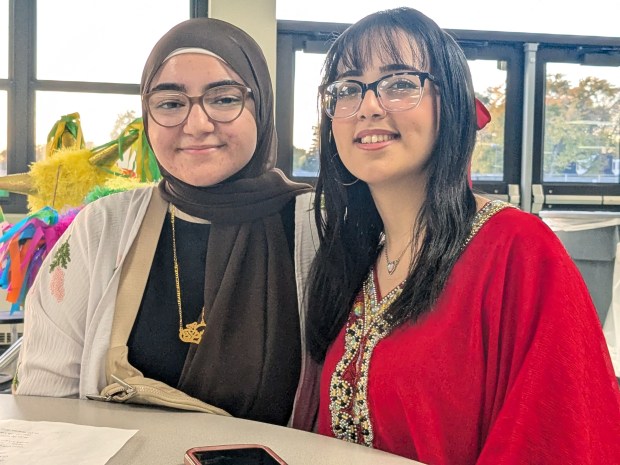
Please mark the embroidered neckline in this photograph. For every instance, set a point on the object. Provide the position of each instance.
(484, 214)
(348, 387)
(365, 328)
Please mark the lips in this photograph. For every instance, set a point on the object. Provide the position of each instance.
(200, 148)
(375, 136)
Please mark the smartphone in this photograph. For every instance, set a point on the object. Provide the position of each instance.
(232, 454)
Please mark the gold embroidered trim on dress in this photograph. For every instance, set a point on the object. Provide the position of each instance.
(348, 402)
(485, 213)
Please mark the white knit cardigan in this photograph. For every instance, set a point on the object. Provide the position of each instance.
(69, 311)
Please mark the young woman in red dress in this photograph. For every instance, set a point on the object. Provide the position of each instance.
(452, 329)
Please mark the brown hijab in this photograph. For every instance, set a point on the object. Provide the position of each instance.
(243, 362)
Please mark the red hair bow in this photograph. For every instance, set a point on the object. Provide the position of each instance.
(483, 117)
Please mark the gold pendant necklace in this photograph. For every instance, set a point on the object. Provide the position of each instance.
(192, 332)
(391, 265)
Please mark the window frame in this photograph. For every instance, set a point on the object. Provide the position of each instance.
(294, 36)
(567, 195)
(22, 86)
(482, 45)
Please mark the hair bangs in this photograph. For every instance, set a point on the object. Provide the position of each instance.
(362, 48)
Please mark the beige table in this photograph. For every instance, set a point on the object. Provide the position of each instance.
(165, 435)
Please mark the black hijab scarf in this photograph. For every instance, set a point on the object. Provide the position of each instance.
(243, 363)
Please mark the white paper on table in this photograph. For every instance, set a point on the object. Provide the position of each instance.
(55, 443)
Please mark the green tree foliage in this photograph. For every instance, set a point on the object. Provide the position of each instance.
(582, 127)
(488, 157)
(299, 157)
(308, 160)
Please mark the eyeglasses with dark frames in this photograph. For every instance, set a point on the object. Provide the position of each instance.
(223, 104)
(395, 92)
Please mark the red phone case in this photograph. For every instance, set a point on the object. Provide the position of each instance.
(190, 457)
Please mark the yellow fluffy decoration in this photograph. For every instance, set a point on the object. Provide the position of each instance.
(124, 184)
(62, 181)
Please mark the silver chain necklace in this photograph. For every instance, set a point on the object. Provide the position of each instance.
(392, 264)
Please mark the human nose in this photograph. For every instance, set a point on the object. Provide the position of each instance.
(198, 120)
(370, 107)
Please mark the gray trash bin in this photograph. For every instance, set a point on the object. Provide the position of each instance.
(594, 253)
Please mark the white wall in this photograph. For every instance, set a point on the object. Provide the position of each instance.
(257, 18)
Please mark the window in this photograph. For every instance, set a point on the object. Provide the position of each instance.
(496, 68)
(73, 57)
(301, 51)
(577, 131)
(87, 75)
(582, 124)
(489, 77)
(306, 113)
(102, 116)
(100, 41)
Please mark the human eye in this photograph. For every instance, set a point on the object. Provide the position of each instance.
(168, 101)
(347, 90)
(406, 84)
(223, 97)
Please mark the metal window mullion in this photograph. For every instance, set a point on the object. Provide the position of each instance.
(21, 74)
(20, 98)
(285, 82)
(527, 146)
(88, 87)
(199, 8)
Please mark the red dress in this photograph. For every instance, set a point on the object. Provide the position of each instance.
(510, 367)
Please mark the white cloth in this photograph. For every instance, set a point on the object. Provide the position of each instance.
(69, 312)
(611, 326)
(579, 221)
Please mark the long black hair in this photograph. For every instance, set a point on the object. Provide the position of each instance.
(349, 224)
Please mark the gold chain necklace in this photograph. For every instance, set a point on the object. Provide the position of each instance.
(391, 265)
(192, 333)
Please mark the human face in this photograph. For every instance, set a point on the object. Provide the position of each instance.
(380, 147)
(200, 151)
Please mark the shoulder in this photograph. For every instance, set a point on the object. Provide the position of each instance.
(118, 205)
(111, 216)
(514, 222)
(513, 229)
(121, 200)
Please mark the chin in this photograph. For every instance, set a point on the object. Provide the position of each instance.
(202, 181)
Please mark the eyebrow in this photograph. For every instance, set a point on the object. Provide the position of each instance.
(398, 67)
(382, 69)
(182, 88)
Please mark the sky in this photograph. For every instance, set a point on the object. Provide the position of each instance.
(76, 53)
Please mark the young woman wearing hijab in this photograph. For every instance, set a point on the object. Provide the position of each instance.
(218, 318)
(452, 329)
